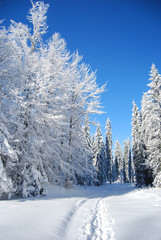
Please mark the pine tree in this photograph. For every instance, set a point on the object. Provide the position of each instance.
(87, 179)
(108, 150)
(133, 179)
(131, 166)
(127, 162)
(145, 114)
(99, 159)
(151, 111)
(155, 127)
(138, 148)
(118, 163)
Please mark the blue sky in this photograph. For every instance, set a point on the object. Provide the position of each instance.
(119, 38)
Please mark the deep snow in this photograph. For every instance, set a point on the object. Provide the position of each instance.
(111, 211)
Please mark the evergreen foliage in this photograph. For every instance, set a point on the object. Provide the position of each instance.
(138, 148)
(118, 163)
(151, 126)
(99, 159)
(127, 162)
(108, 150)
(146, 134)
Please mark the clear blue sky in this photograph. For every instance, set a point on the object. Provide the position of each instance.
(119, 38)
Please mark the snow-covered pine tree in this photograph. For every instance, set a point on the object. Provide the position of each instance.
(155, 137)
(118, 163)
(151, 111)
(133, 179)
(138, 148)
(127, 162)
(108, 150)
(89, 165)
(145, 115)
(99, 159)
(131, 165)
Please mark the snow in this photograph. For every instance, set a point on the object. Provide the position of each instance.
(110, 211)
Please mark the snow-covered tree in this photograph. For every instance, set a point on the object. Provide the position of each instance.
(89, 152)
(146, 134)
(145, 117)
(86, 129)
(127, 161)
(151, 126)
(50, 91)
(154, 141)
(108, 150)
(133, 179)
(26, 44)
(118, 163)
(8, 72)
(138, 148)
(99, 159)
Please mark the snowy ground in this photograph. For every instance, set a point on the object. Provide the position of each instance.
(116, 211)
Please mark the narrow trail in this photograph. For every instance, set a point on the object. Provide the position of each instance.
(97, 224)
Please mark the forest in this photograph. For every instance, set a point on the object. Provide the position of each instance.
(48, 99)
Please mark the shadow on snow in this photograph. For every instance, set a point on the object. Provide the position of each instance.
(88, 192)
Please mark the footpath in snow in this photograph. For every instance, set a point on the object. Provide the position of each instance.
(108, 212)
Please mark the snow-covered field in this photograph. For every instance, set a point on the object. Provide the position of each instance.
(111, 211)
